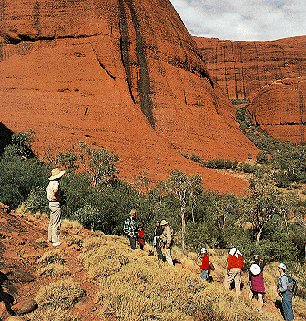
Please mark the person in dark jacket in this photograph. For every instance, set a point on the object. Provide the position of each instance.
(130, 228)
(158, 231)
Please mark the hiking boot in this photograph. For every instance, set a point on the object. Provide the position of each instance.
(57, 243)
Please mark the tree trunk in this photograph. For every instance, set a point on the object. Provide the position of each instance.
(192, 213)
(183, 227)
(258, 236)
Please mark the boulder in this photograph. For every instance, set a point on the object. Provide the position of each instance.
(24, 307)
(3, 311)
(21, 276)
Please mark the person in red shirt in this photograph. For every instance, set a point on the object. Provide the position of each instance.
(205, 267)
(235, 263)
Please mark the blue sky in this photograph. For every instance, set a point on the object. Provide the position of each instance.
(243, 19)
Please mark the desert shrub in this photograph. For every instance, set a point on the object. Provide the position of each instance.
(61, 294)
(247, 168)
(37, 200)
(88, 216)
(221, 164)
(195, 158)
(19, 177)
(20, 146)
(71, 240)
(51, 257)
(262, 157)
(53, 269)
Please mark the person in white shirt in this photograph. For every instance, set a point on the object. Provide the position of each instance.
(53, 195)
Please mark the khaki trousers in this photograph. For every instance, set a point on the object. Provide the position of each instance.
(233, 275)
(167, 253)
(54, 222)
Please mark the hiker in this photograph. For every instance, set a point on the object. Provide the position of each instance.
(54, 197)
(140, 237)
(206, 265)
(285, 293)
(130, 228)
(166, 241)
(156, 241)
(235, 263)
(256, 280)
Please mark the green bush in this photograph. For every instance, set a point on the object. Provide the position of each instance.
(37, 200)
(19, 177)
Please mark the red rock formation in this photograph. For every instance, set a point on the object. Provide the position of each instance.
(120, 74)
(259, 69)
(241, 68)
(279, 108)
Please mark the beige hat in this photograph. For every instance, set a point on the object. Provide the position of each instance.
(163, 222)
(56, 173)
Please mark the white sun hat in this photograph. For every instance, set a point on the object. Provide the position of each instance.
(282, 266)
(255, 269)
(163, 222)
(56, 173)
(203, 250)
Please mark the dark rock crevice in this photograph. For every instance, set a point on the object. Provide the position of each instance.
(143, 82)
(15, 39)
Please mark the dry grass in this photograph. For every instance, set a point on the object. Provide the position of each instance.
(136, 287)
(132, 286)
(50, 257)
(53, 269)
(49, 314)
(62, 294)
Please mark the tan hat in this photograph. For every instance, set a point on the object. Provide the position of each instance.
(163, 222)
(56, 173)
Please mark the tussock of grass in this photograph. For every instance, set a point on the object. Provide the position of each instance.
(49, 314)
(41, 241)
(53, 269)
(62, 294)
(51, 257)
(71, 240)
(102, 258)
(72, 225)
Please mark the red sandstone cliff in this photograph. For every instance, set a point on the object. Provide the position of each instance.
(120, 74)
(244, 70)
(279, 108)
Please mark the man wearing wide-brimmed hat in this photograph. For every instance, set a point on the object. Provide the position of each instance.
(53, 195)
(166, 240)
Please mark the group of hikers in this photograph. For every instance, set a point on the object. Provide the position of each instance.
(163, 242)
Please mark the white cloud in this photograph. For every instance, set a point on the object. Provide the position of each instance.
(243, 19)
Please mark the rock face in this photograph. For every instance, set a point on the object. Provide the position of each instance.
(121, 74)
(279, 108)
(260, 72)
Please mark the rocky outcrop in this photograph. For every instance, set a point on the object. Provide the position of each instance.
(242, 68)
(123, 74)
(271, 71)
(279, 108)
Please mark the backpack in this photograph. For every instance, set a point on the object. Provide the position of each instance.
(292, 285)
